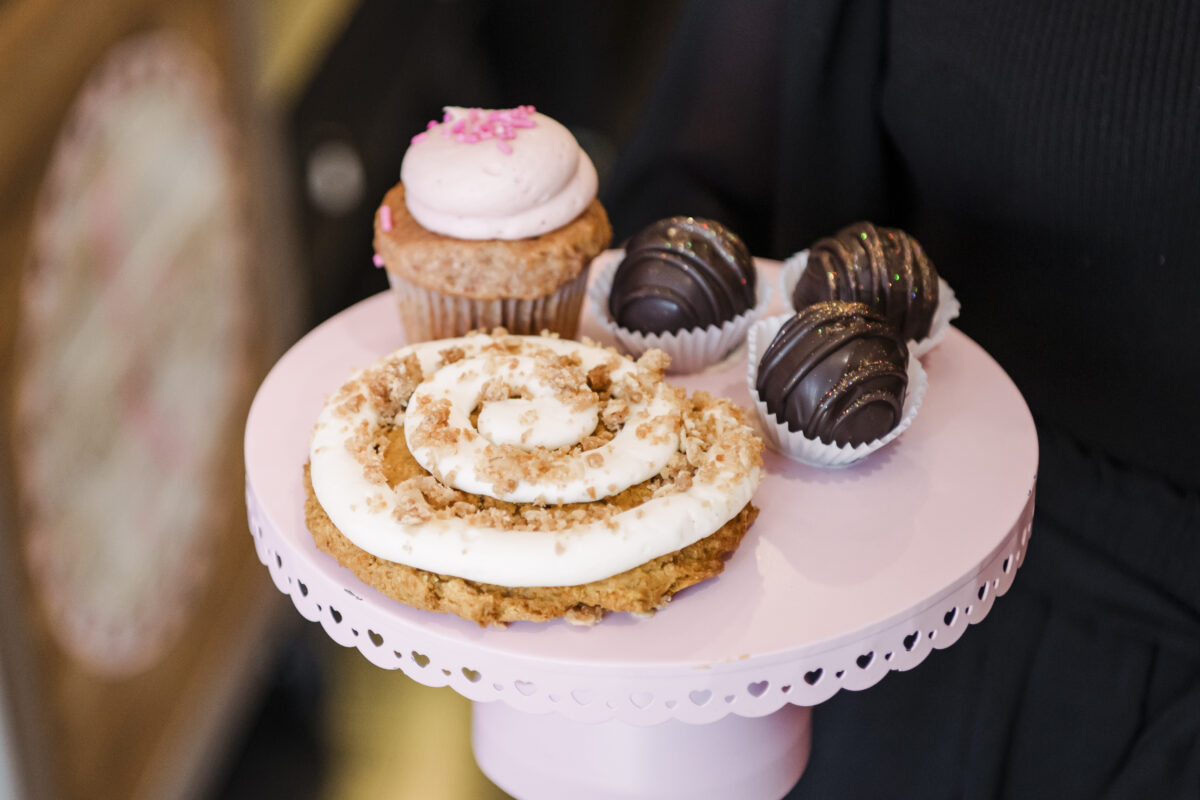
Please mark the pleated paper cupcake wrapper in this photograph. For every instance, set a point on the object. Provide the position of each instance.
(427, 314)
(691, 350)
(796, 445)
(947, 310)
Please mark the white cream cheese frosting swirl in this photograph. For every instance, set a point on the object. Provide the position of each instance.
(542, 418)
(505, 174)
(551, 416)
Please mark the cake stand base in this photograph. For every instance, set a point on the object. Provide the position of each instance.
(536, 756)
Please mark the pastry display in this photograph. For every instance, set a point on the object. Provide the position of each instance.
(494, 223)
(503, 478)
(683, 285)
(682, 273)
(835, 372)
(883, 267)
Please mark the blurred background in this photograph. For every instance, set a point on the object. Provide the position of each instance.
(187, 187)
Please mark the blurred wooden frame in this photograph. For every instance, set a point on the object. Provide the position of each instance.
(159, 733)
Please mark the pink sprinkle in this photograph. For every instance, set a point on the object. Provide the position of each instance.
(378, 260)
(385, 217)
(476, 126)
(420, 137)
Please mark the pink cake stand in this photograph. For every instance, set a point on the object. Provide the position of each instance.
(847, 575)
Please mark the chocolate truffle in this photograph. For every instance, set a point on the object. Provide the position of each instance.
(882, 267)
(837, 372)
(682, 273)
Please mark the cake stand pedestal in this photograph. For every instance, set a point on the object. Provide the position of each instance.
(846, 575)
(552, 756)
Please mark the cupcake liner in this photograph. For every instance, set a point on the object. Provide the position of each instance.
(428, 314)
(690, 350)
(814, 452)
(947, 310)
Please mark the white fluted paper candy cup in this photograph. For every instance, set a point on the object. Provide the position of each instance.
(428, 314)
(814, 452)
(947, 309)
(690, 350)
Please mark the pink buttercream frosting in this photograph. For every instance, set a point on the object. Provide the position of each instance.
(502, 174)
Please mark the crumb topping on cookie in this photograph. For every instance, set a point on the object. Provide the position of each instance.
(534, 409)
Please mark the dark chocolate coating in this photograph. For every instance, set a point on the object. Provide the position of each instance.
(682, 273)
(882, 267)
(837, 372)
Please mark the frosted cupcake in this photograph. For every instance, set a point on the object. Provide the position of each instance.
(494, 223)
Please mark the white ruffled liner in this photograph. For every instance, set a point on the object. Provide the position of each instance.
(429, 314)
(796, 445)
(947, 310)
(690, 350)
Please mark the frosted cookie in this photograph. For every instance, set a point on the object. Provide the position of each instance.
(504, 478)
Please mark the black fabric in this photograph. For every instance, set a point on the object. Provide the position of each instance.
(1047, 155)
